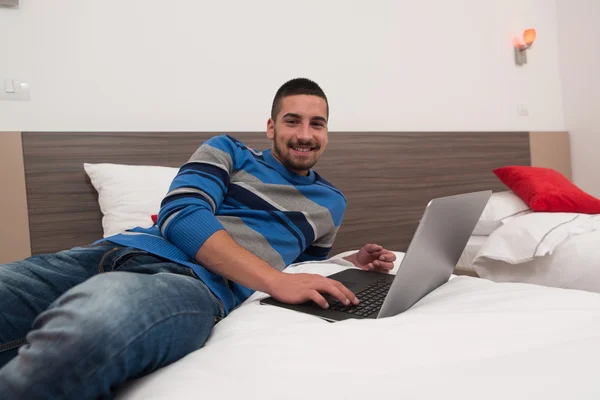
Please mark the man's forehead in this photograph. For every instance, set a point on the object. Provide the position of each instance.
(306, 106)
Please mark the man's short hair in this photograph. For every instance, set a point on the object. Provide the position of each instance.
(294, 87)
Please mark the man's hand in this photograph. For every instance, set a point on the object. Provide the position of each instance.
(373, 257)
(299, 288)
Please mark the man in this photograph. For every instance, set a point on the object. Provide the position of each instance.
(79, 323)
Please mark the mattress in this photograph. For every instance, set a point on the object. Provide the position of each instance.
(469, 339)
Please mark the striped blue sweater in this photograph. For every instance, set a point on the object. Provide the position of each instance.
(277, 215)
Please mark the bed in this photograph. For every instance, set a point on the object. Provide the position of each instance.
(472, 338)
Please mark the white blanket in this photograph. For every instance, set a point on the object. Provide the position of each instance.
(469, 339)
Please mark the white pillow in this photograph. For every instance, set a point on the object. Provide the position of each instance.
(129, 194)
(500, 207)
(573, 264)
(534, 235)
(550, 249)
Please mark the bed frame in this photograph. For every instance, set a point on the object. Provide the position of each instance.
(387, 177)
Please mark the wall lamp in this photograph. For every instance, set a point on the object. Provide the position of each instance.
(521, 46)
(9, 3)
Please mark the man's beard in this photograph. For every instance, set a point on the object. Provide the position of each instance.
(290, 162)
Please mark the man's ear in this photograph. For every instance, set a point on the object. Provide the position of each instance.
(270, 128)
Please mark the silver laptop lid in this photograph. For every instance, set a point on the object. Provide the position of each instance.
(435, 249)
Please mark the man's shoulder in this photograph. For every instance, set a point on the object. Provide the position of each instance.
(222, 142)
(334, 190)
(228, 142)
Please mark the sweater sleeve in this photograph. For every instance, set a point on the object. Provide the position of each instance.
(320, 249)
(187, 217)
(314, 253)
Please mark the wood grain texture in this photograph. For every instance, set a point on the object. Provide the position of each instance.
(387, 178)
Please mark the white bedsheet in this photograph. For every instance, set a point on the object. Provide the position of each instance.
(469, 339)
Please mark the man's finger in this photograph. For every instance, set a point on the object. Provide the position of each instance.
(372, 248)
(383, 265)
(384, 255)
(347, 292)
(317, 298)
(331, 288)
(387, 255)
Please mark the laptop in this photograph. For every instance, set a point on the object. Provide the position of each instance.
(432, 255)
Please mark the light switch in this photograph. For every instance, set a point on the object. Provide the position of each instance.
(14, 90)
(9, 86)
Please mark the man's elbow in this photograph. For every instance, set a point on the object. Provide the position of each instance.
(188, 228)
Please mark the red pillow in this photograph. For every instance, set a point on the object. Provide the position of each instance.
(545, 189)
(154, 217)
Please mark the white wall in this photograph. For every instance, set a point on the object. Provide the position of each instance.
(579, 50)
(215, 65)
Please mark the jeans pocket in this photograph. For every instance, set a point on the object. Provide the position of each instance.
(128, 255)
(117, 257)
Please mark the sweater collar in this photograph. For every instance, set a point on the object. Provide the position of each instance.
(286, 173)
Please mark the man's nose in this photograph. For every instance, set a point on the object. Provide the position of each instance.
(304, 132)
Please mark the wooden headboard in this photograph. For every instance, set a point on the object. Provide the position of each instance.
(387, 177)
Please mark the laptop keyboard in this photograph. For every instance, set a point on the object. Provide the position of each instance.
(371, 300)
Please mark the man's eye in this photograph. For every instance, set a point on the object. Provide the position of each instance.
(292, 122)
(317, 125)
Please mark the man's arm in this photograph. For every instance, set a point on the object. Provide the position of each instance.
(221, 254)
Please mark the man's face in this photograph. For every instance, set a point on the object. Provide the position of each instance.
(299, 133)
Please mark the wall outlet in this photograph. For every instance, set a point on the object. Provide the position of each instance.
(522, 110)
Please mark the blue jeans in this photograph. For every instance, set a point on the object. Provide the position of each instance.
(79, 323)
